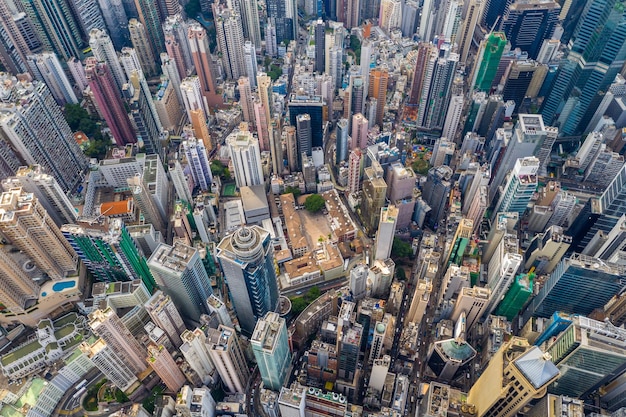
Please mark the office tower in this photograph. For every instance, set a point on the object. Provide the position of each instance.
(195, 349)
(316, 108)
(357, 93)
(228, 358)
(88, 15)
(503, 266)
(505, 223)
(342, 141)
(378, 79)
(494, 11)
(588, 353)
(165, 315)
(219, 308)
(320, 48)
(230, 42)
(358, 281)
(46, 68)
(304, 135)
(141, 43)
(520, 187)
(459, 242)
(15, 51)
(51, 145)
(180, 273)
(249, 56)
(163, 364)
(390, 16)
(289, 133)
(116, 21)
(198, 162)
(203, 62)
(354, 171)
(247, 259)
(249, 11)
(336, 66)
(18, 291)
(436, 85)
(56, 27)
(108, 251)
(26, 224)
(359, 132)
(435, 192)
(447, 356)
(175, 36)
(577, 92)
(110, 363)
(528, 23)
(109, 102)
(523, 79)
(516, 297)
(427, 21)
(109, 327)
(452, 20)
(421, 296)
(353, 13)
(473, 302)
(400, 191)
(578, 285)
(104, 51)
(373, 196)
(466, 34)
(515, 375)
(410, 14)
(487, 61)
(453, 115)
(283, 24)
(148, 15)
(530, 137)
(270, 346)
(386, 232)
(246, 158)
(546, 250)
(348, 346)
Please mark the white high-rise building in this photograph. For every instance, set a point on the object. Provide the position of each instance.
(520, 186)
(390, 15)
(196, 352)
(246, 99)
(249, 57)
(165, 315)
(46, 67)
(386, 232)
(192, 95)
(358, 281)
(228, 358)
(168, 67)
(230, 41)
(104, 51)
(453, 116)
(503, 267)
(198, 161)
(217, 306)
(110, 363)
(246, 158)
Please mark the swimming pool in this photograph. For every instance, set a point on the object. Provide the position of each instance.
(62, 285)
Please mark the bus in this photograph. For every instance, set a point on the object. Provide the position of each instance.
(81, 384)
(79, 392)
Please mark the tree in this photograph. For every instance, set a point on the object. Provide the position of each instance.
(74, 114)
(400, 274)
(421, 166)
(298, 304)
(401, 249)
(292, 190)
(217, 168)
(314, 203)
(313, 293)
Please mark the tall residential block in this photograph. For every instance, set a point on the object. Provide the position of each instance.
(520, 186)
(201, 54)
(378, 79)
(270, 346)
(246, 158)
(386, 232)
(17, 290)
(163, 364)
(165, 315)
(103, 50)
(228, 357)
(247, 260)
(26, 224)
(47, 68)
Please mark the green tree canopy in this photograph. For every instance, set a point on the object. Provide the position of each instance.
(400, 274)
(314, 203)
(292, 190)
(401, 249)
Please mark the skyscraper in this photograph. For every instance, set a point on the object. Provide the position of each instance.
(249, 11)
(596, 54)
(316, 107)
(230, 41)
(104, 51)
(17, 290)
(176, 44)
(109, 102)
(528, 22)
(51, 144)
(342, 141)
(116, 21)
(195, 349)
(88, 16)
(110, 328)
(201, 53)
(354, 171)
(108, 251)
(56, 26)
(386, 232)
(466, 34)
(228, 358)
(198, 162)
(487, 61)
(15, 51)
(110, 363)
(180, 273)
(374, 195)
(520, 187)
(270, 346)
(320, 45)
(141, 43)
(26, 224)
(515, 375)
(246, 157)
(277, 12)
(149, 18)
(378, 78)
(247, 259)
(163, 364)
(359, 132)
(304, 135)
(47, 68)
(390, 16)
(435, 192)
(517, 295)
(165, 315)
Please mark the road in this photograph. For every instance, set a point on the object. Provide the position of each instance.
(69, 406)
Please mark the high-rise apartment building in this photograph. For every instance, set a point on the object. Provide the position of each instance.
(33, 125)
(374, 195)
(103, 50)
(110, 328)
(247, 260)
(246, 158)
(26, 224)
(386, 232)
(16, 50)
(175, 36)
(360, 128)
(47, 69)
(180, 273)
(116, 20)
(109, 102)
(203, 62)
(198, 162)
(165, 315)
(593, 60)
(17, 290)
(163, 364)
(230, 41)
(141, 43)
(355, 162)
(378, 78)
(110, 363)
(528, 22)
(435, 192)
(517, 374)
(466, 33)
(520, 186)
(270, 346)
(195, 349)
(148, 15)
(390, 16)
(228, 358)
